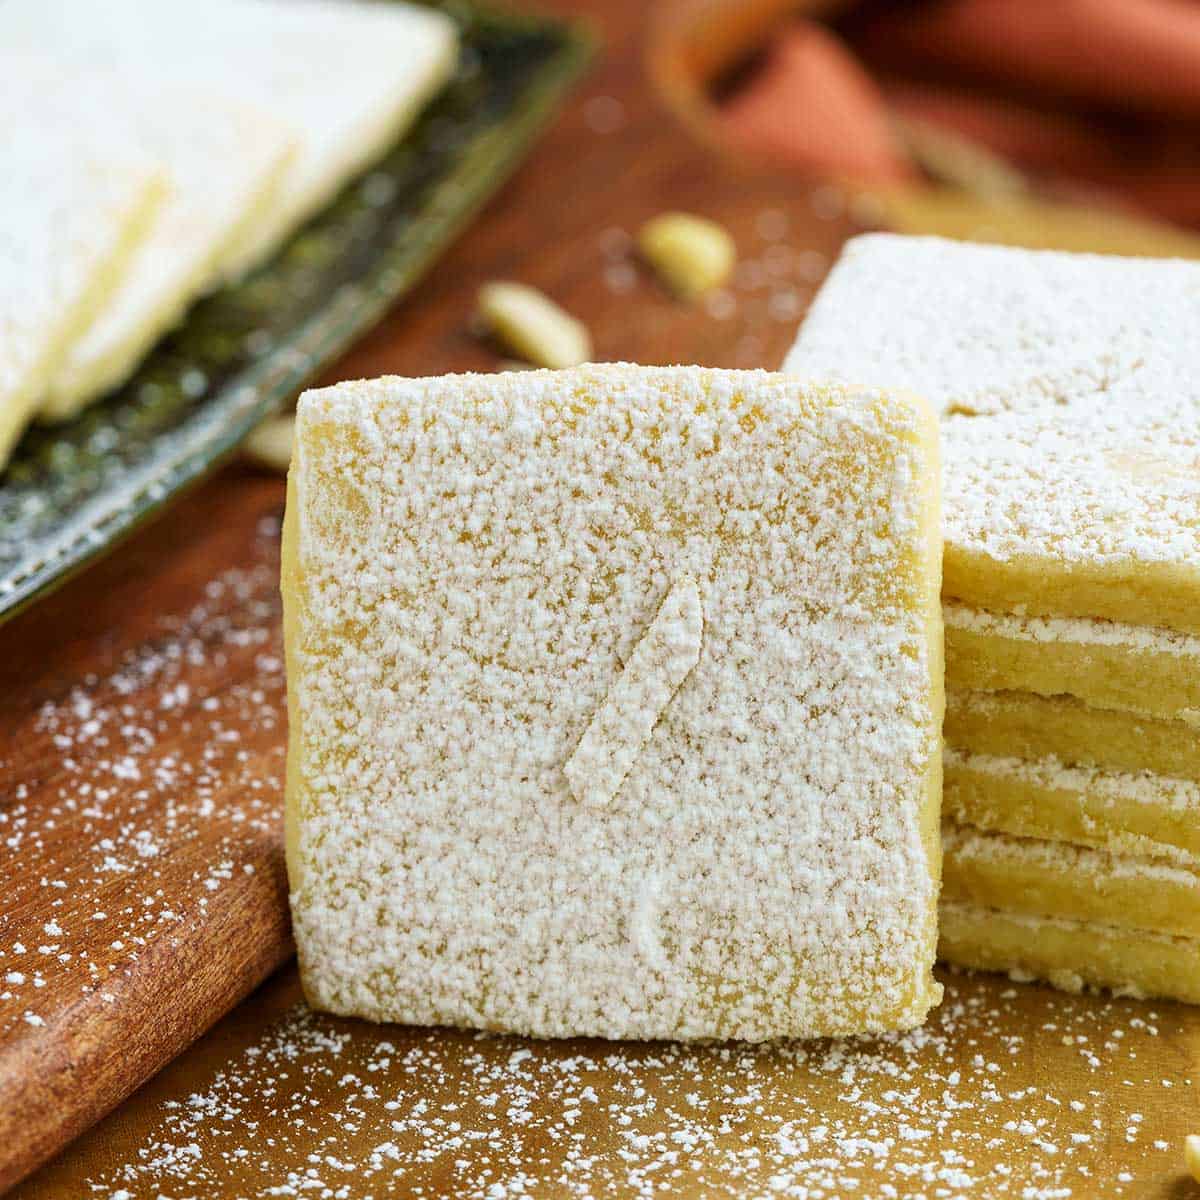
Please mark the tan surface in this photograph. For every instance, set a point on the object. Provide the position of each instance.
(1008, 1088)
(1033, 223)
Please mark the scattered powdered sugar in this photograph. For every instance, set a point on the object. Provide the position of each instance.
(1006, 1092)
(480, 556)
(124, 798)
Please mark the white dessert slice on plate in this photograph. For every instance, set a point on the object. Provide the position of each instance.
(226, 162)
(72, 212)
(346, 77)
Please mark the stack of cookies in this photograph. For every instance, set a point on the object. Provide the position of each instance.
(1070, 404)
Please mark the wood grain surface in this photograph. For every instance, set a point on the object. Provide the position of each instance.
(142, 734)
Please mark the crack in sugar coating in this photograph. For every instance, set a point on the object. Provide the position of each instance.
(625, 720)
(472, 561)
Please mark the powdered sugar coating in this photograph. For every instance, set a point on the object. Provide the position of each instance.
(1144, 670)
(468, 563)
(1068, 388)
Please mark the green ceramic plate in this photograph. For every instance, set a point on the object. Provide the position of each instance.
(73, 491)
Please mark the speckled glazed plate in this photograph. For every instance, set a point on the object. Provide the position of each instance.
(72, 491)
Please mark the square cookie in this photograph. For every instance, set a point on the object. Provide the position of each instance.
(615, 703)
(1070, 396)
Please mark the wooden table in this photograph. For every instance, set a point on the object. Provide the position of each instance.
(142, 734)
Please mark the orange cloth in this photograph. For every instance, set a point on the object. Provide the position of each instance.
(811, 105)
(1129, 55)
(1096, 100)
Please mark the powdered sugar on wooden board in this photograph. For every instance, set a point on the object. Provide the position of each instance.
(130, 811)
(1007, 1092)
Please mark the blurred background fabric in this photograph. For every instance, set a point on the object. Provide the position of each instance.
(1087, 102)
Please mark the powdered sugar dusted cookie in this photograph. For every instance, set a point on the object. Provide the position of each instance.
(1071, 401)
(615, 703)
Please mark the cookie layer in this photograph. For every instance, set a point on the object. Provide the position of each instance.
(1022, 725)
(1106, 664)
(471, 567)
(1080, 883)
(1130, 813)
(1070, 402)
(1071, 955)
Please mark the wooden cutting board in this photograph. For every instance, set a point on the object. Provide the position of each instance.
(142, 734)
